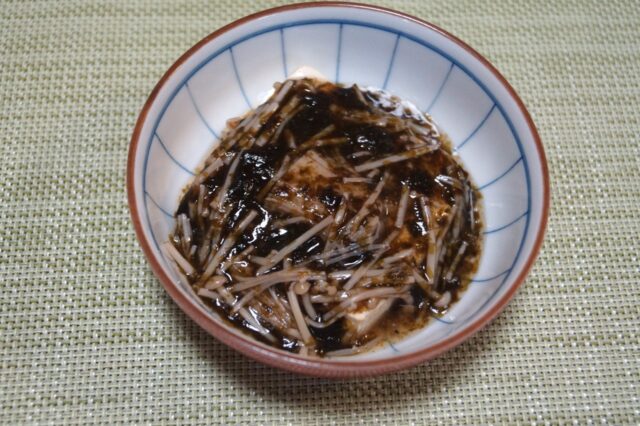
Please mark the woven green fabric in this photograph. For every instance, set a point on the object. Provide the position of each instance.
(87, 334)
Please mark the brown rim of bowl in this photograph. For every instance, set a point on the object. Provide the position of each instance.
(320, 367)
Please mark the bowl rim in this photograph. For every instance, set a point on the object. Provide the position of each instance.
(321, 367)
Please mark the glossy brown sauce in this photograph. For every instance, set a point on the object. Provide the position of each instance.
(311, 157)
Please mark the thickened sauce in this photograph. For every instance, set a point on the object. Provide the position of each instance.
(329, 220)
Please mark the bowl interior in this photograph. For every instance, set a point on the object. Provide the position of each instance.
(234, 71)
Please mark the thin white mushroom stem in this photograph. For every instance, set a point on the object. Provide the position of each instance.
(243, 301)
(237, 258)
(324, 142)
(209, 170)
(282, 91)
(301, 287)
(201, 193)
(356, 180)
(322, 324)
(364, 210)
(323, 169)
(210, 294)
(290, 138)
(340, 275)
(321, 298)
(283, 205)
(425, 128)
(342, 209)
(343, 275)
(259, 260)
(422, 282)
(373, 173)
(283, 124)
(392, 236)
(360, 296)
(359, 154)
(298, 316)
(350, 248)
(448, 180)
(284, 167)
(374, 316)
(218, 202)
(431, 257)
(308, 306)
(457, 218)
(290, 221)
(180, 274)
(275, 278)
(215, 282)
(360, 272)
(273, 260)
(359, 94)
(263, 117)
(440, 251)
(172, 253)
(289, 107)
(338, 258)
(185, 226)
(322, 133)
(402, 206)
(279, 302)
(456, 260)
(408, 155)
(251, 319)
(426, 213)
(222, 294)
(398, 256)
(228, 243)
(443, 301)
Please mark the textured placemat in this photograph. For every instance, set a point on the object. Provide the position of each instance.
(88, 335)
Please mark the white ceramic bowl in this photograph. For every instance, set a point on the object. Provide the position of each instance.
(233, 69)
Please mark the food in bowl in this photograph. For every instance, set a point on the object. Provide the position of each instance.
(228, 72)
(328, 220)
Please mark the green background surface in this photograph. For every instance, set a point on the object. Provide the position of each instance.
(87, 334)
